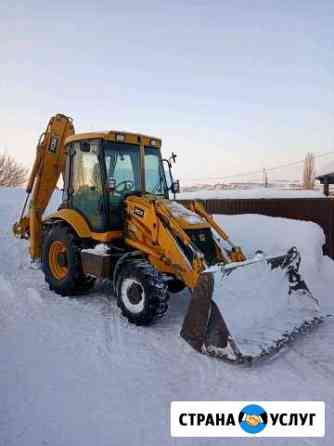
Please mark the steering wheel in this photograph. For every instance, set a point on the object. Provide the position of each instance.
(127, 186)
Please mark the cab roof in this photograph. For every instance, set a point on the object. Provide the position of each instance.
(117, 136)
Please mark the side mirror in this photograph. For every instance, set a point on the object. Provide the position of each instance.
(111, 185)
(175, 188)
(173, 157)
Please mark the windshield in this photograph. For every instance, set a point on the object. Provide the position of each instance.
(155, 180)
(123, 165)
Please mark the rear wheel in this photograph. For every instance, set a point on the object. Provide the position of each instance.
(61, 262)
(141, 292)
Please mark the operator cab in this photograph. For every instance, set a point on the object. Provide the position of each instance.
(102, 169)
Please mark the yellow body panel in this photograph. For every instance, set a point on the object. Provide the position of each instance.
(157, 227)
(129, 138)
(81, 227)
(151, 228)
(74, 219)
(105, 237)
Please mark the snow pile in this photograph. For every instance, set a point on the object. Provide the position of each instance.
(265, 311)
(260, 192)
(73, 371)
(275, 236)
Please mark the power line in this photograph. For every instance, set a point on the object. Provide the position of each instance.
(260, 171)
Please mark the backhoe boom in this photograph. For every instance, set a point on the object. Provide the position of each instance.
(48, 165)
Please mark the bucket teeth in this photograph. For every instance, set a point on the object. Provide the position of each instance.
(207, 329)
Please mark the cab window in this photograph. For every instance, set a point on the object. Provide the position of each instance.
(87, 188)
(155, 180)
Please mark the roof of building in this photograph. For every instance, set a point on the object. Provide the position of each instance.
(326, 178)
(326, 169)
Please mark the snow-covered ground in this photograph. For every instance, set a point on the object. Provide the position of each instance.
(73, 372)
(259, 192)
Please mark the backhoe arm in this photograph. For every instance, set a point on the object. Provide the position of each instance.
(48, 165)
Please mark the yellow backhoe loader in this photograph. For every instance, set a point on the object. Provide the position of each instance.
(116, 222)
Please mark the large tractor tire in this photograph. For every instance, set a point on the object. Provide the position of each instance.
(141, 293)
(61, 262)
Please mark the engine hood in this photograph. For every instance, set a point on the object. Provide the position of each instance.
(186, 218)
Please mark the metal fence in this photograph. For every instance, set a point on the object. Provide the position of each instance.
(318, 210)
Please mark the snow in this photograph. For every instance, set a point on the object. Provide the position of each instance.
(260, 192)
(180, 212)
(254, 324)
(100, 249)
(73, 371)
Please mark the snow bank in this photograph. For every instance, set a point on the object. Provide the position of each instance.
(275, 236)
(12, 200)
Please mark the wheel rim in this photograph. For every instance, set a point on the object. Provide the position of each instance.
(58, 259)
(133, 295)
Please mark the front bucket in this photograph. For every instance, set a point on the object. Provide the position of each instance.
(259, 306)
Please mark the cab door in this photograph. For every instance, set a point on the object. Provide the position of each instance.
(87, 195)
(122, 163)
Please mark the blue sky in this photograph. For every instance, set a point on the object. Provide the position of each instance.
(229, 86)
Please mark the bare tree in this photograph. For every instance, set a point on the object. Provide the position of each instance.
(309, 171)
(12, 173)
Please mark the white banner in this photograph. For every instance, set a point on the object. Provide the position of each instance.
(247, 419)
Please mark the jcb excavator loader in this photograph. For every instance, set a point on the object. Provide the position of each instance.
(116, 222)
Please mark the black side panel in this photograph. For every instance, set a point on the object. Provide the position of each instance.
(203, 240)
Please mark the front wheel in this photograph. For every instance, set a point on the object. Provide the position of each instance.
(141, 292)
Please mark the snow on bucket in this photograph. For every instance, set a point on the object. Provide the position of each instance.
(258, 309)
(250, 311)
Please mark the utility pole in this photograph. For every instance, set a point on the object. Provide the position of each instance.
(265, 178)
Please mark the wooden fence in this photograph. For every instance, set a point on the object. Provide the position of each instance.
(318, 210)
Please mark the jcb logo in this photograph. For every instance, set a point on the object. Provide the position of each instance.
(139, 212)
(53, 144)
